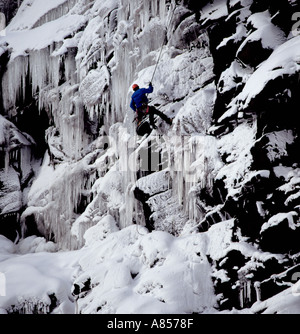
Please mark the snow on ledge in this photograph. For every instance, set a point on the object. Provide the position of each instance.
(30, 12)
(285, 60)
(277, 219)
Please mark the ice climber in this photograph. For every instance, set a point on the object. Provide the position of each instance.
(139, 104)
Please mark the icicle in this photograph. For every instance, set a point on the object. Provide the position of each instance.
(14, 81)
(258, 291)
(241, 295)
(245, 292)
(126, 217)
(6, 162)
(249, 290)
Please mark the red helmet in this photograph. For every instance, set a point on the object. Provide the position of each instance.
(135, 87)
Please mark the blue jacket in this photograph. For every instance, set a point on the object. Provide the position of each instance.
(139, 97)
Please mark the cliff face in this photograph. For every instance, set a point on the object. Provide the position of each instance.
(214, 198)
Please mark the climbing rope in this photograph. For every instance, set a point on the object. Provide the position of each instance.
(168, 26)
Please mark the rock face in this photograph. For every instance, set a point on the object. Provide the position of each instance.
(16, 172)
(228, 168)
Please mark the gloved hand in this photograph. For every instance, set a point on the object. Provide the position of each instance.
(150, 84)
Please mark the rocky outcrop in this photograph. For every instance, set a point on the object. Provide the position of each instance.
(261, 199)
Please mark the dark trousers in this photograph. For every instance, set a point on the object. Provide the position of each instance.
(141, 112)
